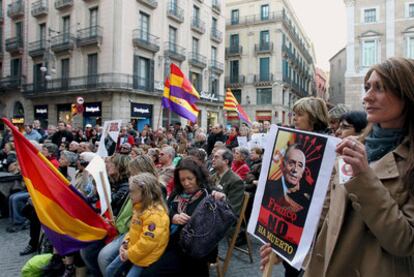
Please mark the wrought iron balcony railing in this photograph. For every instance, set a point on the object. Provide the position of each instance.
(216, 35)
(40, 8)
(197, 60)
(62, 4)
(145, 40)
(174, 51)
(90, 36)
(175, 12)
(37, 48)
(15, 9)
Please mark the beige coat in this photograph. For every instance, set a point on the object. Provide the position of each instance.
(369, 226)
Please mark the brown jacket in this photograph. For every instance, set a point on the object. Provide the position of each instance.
(369, 226)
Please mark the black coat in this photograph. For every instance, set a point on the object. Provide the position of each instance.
(212, 139)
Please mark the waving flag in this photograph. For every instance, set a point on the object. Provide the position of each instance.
(67, 220)
(231, 104)
(180, 95)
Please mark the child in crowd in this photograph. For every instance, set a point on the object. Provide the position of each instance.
(149, 231)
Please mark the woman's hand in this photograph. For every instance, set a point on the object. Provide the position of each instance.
(123, 254)
(218, 195)
(353, 153)
(265, 252)
(181, 219)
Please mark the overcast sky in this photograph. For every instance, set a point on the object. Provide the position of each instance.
(324, 22)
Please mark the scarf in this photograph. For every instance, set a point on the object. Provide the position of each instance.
(230, 139)
(184, 199)
(382, 141)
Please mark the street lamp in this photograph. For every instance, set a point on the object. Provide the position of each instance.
(49, 56)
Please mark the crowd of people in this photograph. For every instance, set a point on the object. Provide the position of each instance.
(158, 177)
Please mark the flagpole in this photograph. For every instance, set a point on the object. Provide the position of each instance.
(111, 213)
(159, 117)
(267, 272)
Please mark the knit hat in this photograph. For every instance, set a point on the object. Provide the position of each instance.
(337, 111)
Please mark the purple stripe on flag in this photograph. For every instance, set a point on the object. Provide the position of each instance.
(165, 103)
(181, 93)
(181, 111)
(64, 244)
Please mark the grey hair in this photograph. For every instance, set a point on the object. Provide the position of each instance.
(169, 151)
(243, 151)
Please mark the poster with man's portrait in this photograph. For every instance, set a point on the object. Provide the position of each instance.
(110, 133)
(295, 174)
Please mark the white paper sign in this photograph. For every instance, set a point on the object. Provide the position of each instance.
(293, 182)
(109, 138)
(97, 165)
(242, 141)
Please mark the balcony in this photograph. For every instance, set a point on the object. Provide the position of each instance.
(91, 36)
(216, 35)
(63, 4)
(263, 80)
(14, 45)
(216, 66)
(92, 84)
(15, 9)
(149, 3)
(145, 40)
(40, 8)
(198, 25)
(263, 48)
(216, 6)
(236, 81)
(175, 12)
(63, 43)
(234, 51)
(174, 51)
(197, 60)
(37, 48)
(12, 82)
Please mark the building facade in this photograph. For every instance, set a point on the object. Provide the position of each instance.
(377, 30)
(113, 54)
(321, 84)
(269, 59)
(337, 77)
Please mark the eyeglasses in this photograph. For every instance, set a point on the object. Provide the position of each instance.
(345, 126)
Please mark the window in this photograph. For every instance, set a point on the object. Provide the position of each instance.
(18, 27)
(196, 13)
(172, 39)
(213, 24)
(264, 69)
(93, 17)
(411, 10)
(213, 54)
(410, 47)
(214, 86)
(370, 15)
(234, 17)
(369, 52)
(16, 68)
(237, 95)
(196, 80)
(264, 12)
(264, 96)
(65, 73)
(38, 79)
(92, 68)
(264, 40)
(195, 45)
(234, 71)
(234, 43)
(66, 29)
(144, 26)
(42, 31)
(141, 73)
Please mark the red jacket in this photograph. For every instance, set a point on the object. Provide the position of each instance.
(240, 168)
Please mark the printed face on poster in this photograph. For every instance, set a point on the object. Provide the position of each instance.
(110, 133)
(292, 187)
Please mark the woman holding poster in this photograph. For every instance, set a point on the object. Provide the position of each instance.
(368, 227)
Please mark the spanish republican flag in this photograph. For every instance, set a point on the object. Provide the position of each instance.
(180, 95)
(67, 220)
(231, 104)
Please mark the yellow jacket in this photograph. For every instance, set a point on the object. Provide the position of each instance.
(148, 235)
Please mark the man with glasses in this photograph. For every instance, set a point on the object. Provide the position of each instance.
(166, 171)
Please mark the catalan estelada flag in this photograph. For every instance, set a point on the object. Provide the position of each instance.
(231, 104)
(180, 95)
(67, 220)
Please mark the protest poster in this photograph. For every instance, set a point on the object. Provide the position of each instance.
(292, 187)
(242, 141)
(110, 133)
(257, 140)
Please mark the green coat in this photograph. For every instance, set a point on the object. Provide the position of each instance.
(233, 187)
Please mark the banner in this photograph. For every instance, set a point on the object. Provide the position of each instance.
(109, 137)
(291, 191)
(95, 167)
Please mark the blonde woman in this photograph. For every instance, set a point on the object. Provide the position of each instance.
(311, 114)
